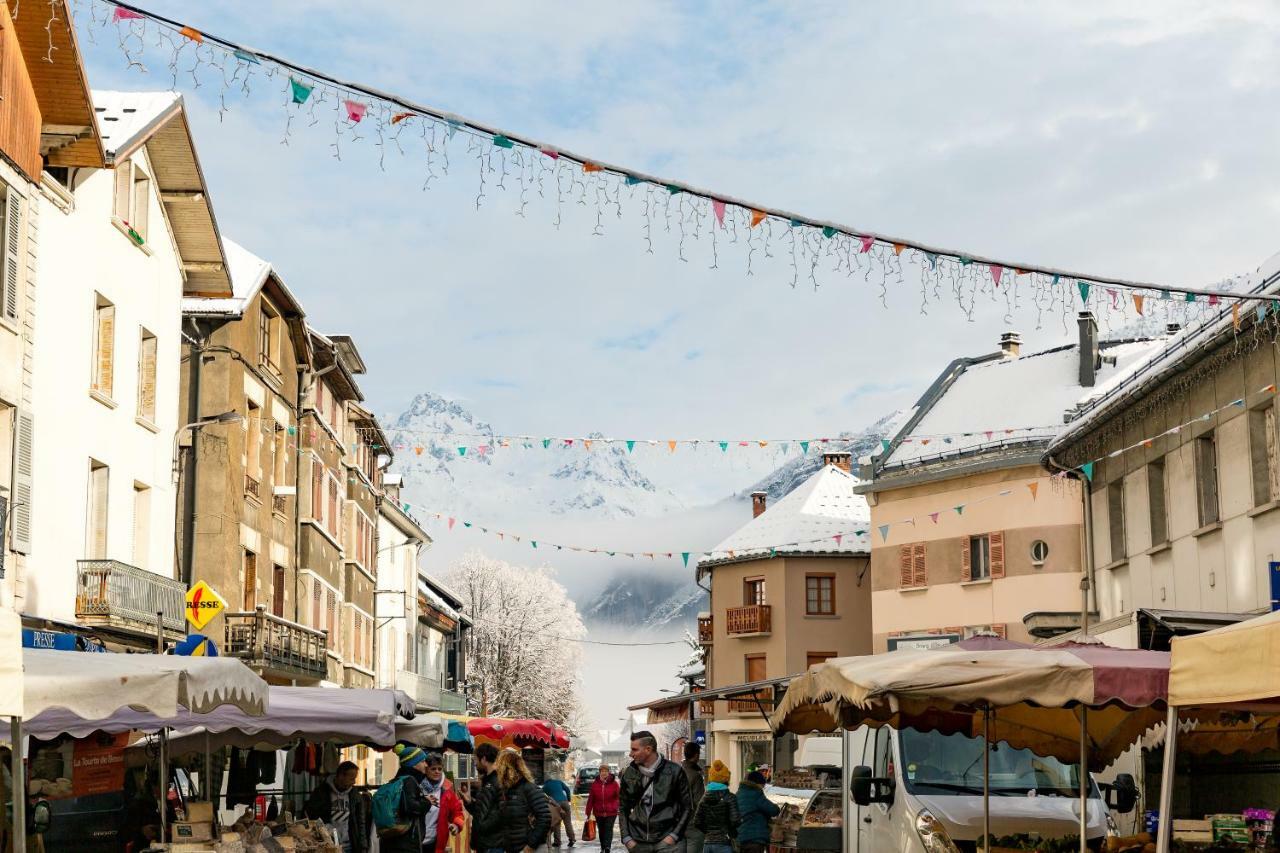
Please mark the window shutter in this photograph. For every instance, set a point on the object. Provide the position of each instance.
(147, 378)
(100, 487)
(317, 490)
(332, 618)
(23, 471)
(106, 348)
(250, 580)
(315, 604)
(141, 203)
(997, 554)
(906, 572)
(1273, 454)
(124, 188)
(12, 260)
(966, 565)
(919, 575)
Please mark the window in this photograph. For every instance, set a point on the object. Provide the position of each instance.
(1115, 519)
(814, 658)
(1156, 505)
(1207, 478)
(753, 591)
(23, 480)
(978, 559)
(913, 567)
(362, 552)
(147, 377)
(335, 506)
(1039, 552)
(96, 521)
(250, 580)
(269, 338)
(10, 250)
(133, 197)
(1262, 453)
(317, 489)
(820, 595)
(884, 753)
(277, 590)
(141, 525)
(104, 345)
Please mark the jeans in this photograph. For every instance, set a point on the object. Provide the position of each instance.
(604, 831)
(717, 848)
(753, 846)
(659, 847)
(694, 839)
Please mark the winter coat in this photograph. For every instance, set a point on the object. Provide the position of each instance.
(557, 790)
(602, 800)
(755, 811)
(319, 806)
(697, 782)
(669, 815)
(717, 814)
(521, 818)
(413, 806)
(451, 814)
(486, 815)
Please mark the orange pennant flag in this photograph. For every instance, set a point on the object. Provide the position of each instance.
(592, 167)
(193, 34)
(1138, 299)
(399, 117)
(672, 445)
(757, 216)
(1034, 487)
(1019, 271)
(898, 247)
(586, 442)
(1235, 316)
(763, 443)
(418, 450)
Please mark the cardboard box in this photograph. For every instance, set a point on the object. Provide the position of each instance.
(200, 812)
(1230, 828)
(187, 830)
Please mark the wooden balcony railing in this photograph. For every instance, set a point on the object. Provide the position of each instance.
(748, 705)
(276, 646)
(706, 709)
(752, 619)
(252, 487)
(705, 632)
(116, 594)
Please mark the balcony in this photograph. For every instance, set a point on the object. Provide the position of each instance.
(748, 705)
(252, 488)
(112, 594)
(279, 505)
(274, 646)
(706, 709)
(705, 632)
(752, 620)
(428, 694)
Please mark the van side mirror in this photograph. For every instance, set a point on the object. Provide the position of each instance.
(867, 789)
(1122, 794)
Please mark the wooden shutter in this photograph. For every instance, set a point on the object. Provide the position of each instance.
(99, 486)
(147, 377)
(105, 366)
(317, 489)
(12, 257)
(332, 618)
(1273, 455)
(966, 560)
(141, 208)
(906, 571)
(997, 554)
(277, 590)
(124, 189)
(919, 574)
(315, 604)
(23, 478)
(250, 580)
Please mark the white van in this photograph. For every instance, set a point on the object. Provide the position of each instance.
(922, 792)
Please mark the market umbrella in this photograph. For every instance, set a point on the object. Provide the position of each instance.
(1083, 702)
(429, 731)
(520, 733)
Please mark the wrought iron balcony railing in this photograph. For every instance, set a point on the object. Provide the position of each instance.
(252, 487)
(118, 595)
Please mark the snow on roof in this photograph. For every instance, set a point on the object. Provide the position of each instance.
(123, 117)
(804, 522)
(248, 273)
(998, 400)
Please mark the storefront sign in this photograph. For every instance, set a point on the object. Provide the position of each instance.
(1275, 586)
(203, 604)
(97, 765)
(700, 737)
(923, 642)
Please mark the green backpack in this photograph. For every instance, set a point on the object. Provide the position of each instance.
(386, 809)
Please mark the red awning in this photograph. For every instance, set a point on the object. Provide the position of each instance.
(503, 733)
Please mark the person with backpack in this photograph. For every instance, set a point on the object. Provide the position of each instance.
(653, 805)
(755, 811)
(561, 807)
(716, 815)
(483, 802)
(400, 807)
(523, 816)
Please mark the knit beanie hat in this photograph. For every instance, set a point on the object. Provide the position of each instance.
(756, 777)
(409, 755)
(718, 772)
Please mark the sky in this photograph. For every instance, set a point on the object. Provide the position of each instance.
(1136, 140)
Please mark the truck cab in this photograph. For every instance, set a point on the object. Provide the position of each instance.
(922, 792)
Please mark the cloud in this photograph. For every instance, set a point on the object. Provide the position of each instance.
(693, 355)
(489, 382)
(641, 340)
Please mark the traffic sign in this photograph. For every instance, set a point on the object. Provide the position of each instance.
(203, 604)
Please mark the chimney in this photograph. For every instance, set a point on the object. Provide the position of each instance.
(1088, 349)
(1010, 344)
(757, 503)
(1173, 328)
(840, 458)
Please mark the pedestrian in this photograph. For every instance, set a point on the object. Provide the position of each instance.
(411, 805)
(523, 816)
(602, 804)
(484, 803)
(716, 816)
(653, 803)
(561, 807)
(755, 812)
(347, 811)
(693, 772)
(444, 818)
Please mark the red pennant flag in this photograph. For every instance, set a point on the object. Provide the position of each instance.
(554, 155)
(125, 15)
(867, 243)
(717, 207)
(452, 522)
(996, 272)
(933, 516)
(838, 537)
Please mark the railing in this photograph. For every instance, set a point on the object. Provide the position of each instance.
(279, 504)
(749, 705)
(271, 644)
(428, 693)
(752, 619)
(706, 709)
(705, 632)
(120, 595)
(252, 487)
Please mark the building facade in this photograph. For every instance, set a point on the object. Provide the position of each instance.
(788, 590)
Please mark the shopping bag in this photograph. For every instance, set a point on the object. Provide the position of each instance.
(589, 830)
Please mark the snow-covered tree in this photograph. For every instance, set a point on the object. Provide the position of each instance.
(522, 660)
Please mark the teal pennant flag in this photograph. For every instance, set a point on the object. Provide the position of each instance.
(462, 451)
(684, 555)
(503, 142)
(631, 445)
(804, 447)
(724, 445)
(1087, 468)
(301, 91)
(1084, 290)
(546, 442)
(828, 232)
(884, 445)
(884, 532)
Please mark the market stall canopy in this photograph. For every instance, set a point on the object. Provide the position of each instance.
(1238, 665)
(1035, 693)
(427, 731)
(93, 687)
(518, 733)
(344, 716)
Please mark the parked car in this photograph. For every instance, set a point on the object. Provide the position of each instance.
(586, 775)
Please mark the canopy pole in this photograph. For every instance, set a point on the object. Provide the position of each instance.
(986, 779)
(19, 778)
(1167, 775)
(208, 769)
(1085, 779)
(164, 785)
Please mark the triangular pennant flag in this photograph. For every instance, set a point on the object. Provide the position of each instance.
(933, 516)
(884, 445)
(1239, 403)
(631, 445)
(1034, 487)
(674, 190)
(592, 167)
(1087, 468)
(301, 91)
(193, 34)
(684, 555)
(293, 430)
(763, 443)
(355, 110)
(796, 223)
(462, 451)
(1084, 290)
(717, 207)
(586, 442)
(838, 537)
(933, 259)
(867, 243)
(960, 509)
(988, 434)
(452, 522)
(1262, 311)
(1235, 316)
(454, 125)
(898, 247)
(1055, 278)
(1137, 302)
(533, 542)
(125, 15)
(568, 442)
(466, 524)
(399, 117)
(1214, 299)
(997, 272)
(828, 232)
(724, 446)
(671, 445)
(925, 440)
(418, 450)
(550, 152)
(1190, 297)
(884, 532)
(757, 216)
(804, 447)
(546, 442)
(632, 180)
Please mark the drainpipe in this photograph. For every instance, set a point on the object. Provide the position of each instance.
(189, 477)
(1088, 587)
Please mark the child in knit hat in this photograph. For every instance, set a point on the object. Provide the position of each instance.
(717, 812)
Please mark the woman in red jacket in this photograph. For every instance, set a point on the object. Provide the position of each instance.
(602, 803)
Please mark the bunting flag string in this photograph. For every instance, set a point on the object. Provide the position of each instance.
(508, 160)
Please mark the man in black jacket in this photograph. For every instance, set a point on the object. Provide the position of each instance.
(336, 804)
(487, 836)
(654, 801)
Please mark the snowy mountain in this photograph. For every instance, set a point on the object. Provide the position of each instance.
(497, 483)
(795, 471)
(647, 602)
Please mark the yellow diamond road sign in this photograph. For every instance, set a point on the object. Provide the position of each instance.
(203, 604)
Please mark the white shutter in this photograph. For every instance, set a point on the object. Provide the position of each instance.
(104, 365)
(99, 486)
(124, 189)
(23, 458)
(147, 377)
(12, 260)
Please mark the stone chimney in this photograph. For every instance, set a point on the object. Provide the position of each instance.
(758, 500)
(1010, 344)
(842, 459)
(1089, 353)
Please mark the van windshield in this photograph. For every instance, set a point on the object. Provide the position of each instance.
(934, 763)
